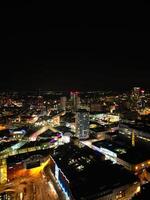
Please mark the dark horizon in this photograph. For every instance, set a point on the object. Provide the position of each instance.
(38, 53)
(102, 75)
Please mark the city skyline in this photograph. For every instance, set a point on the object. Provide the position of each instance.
(74, 102)
(56, 145)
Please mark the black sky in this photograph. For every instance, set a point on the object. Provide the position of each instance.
(38, 51)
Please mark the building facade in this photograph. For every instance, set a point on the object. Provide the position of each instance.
(63, 101)
(82, 124)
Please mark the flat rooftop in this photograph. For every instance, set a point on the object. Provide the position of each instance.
(12, 160)
(5, 145)
(35, 143)
(126, 152)
(90, 176)
(5, 133)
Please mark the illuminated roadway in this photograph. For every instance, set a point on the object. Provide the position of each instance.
(13, 149)
(31, 188)
(128, 131)
(31, 185)
(34, 136)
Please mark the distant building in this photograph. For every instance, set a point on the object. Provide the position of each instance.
(95, 107)
(136, 91)
(75, 100)
(63, 101)
(138, 98)
(82, 124)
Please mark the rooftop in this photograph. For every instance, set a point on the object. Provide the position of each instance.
(133, 155)
(89, 174)
(5, 145)
(11, 160)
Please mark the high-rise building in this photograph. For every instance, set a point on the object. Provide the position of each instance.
(137, 98)
(63, 101)
(82, 124)
(75, 100)
(136, 91)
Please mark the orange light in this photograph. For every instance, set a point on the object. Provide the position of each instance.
(37, 170)
(2, 127)
(138, 189)
(34, 171)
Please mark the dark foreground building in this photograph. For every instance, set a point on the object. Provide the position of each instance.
(85, 175)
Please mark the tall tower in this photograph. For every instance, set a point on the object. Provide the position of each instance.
(63, 101)
(75, 101)
(82, 124)
(136, 91)
(135, 97)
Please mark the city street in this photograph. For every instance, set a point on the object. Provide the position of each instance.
(30, 185)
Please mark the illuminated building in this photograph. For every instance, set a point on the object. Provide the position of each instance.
(56, 121)
(75, 100)
(82, 124)
(105, 118)
(145, 111)
(136, 91)
(132, 159)
(3, 171)
(6, 196)
(63, 101)
(95, 107)
(138, 98)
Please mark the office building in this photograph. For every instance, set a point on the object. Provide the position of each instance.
(75, 101)
(63, 101)
(82, 124)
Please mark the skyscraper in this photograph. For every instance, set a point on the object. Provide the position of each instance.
(63, 101)
(136, 91)
(137, 98)
(82, 124)
(75, 100)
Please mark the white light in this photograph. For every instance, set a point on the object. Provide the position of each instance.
(66, 139)
(21, 196)
(138, 189)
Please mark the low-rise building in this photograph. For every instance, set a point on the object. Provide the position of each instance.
(133, 159)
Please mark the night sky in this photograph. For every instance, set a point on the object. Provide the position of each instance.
(40, 52)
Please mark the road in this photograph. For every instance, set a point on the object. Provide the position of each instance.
(30, 185)
(34, 136)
